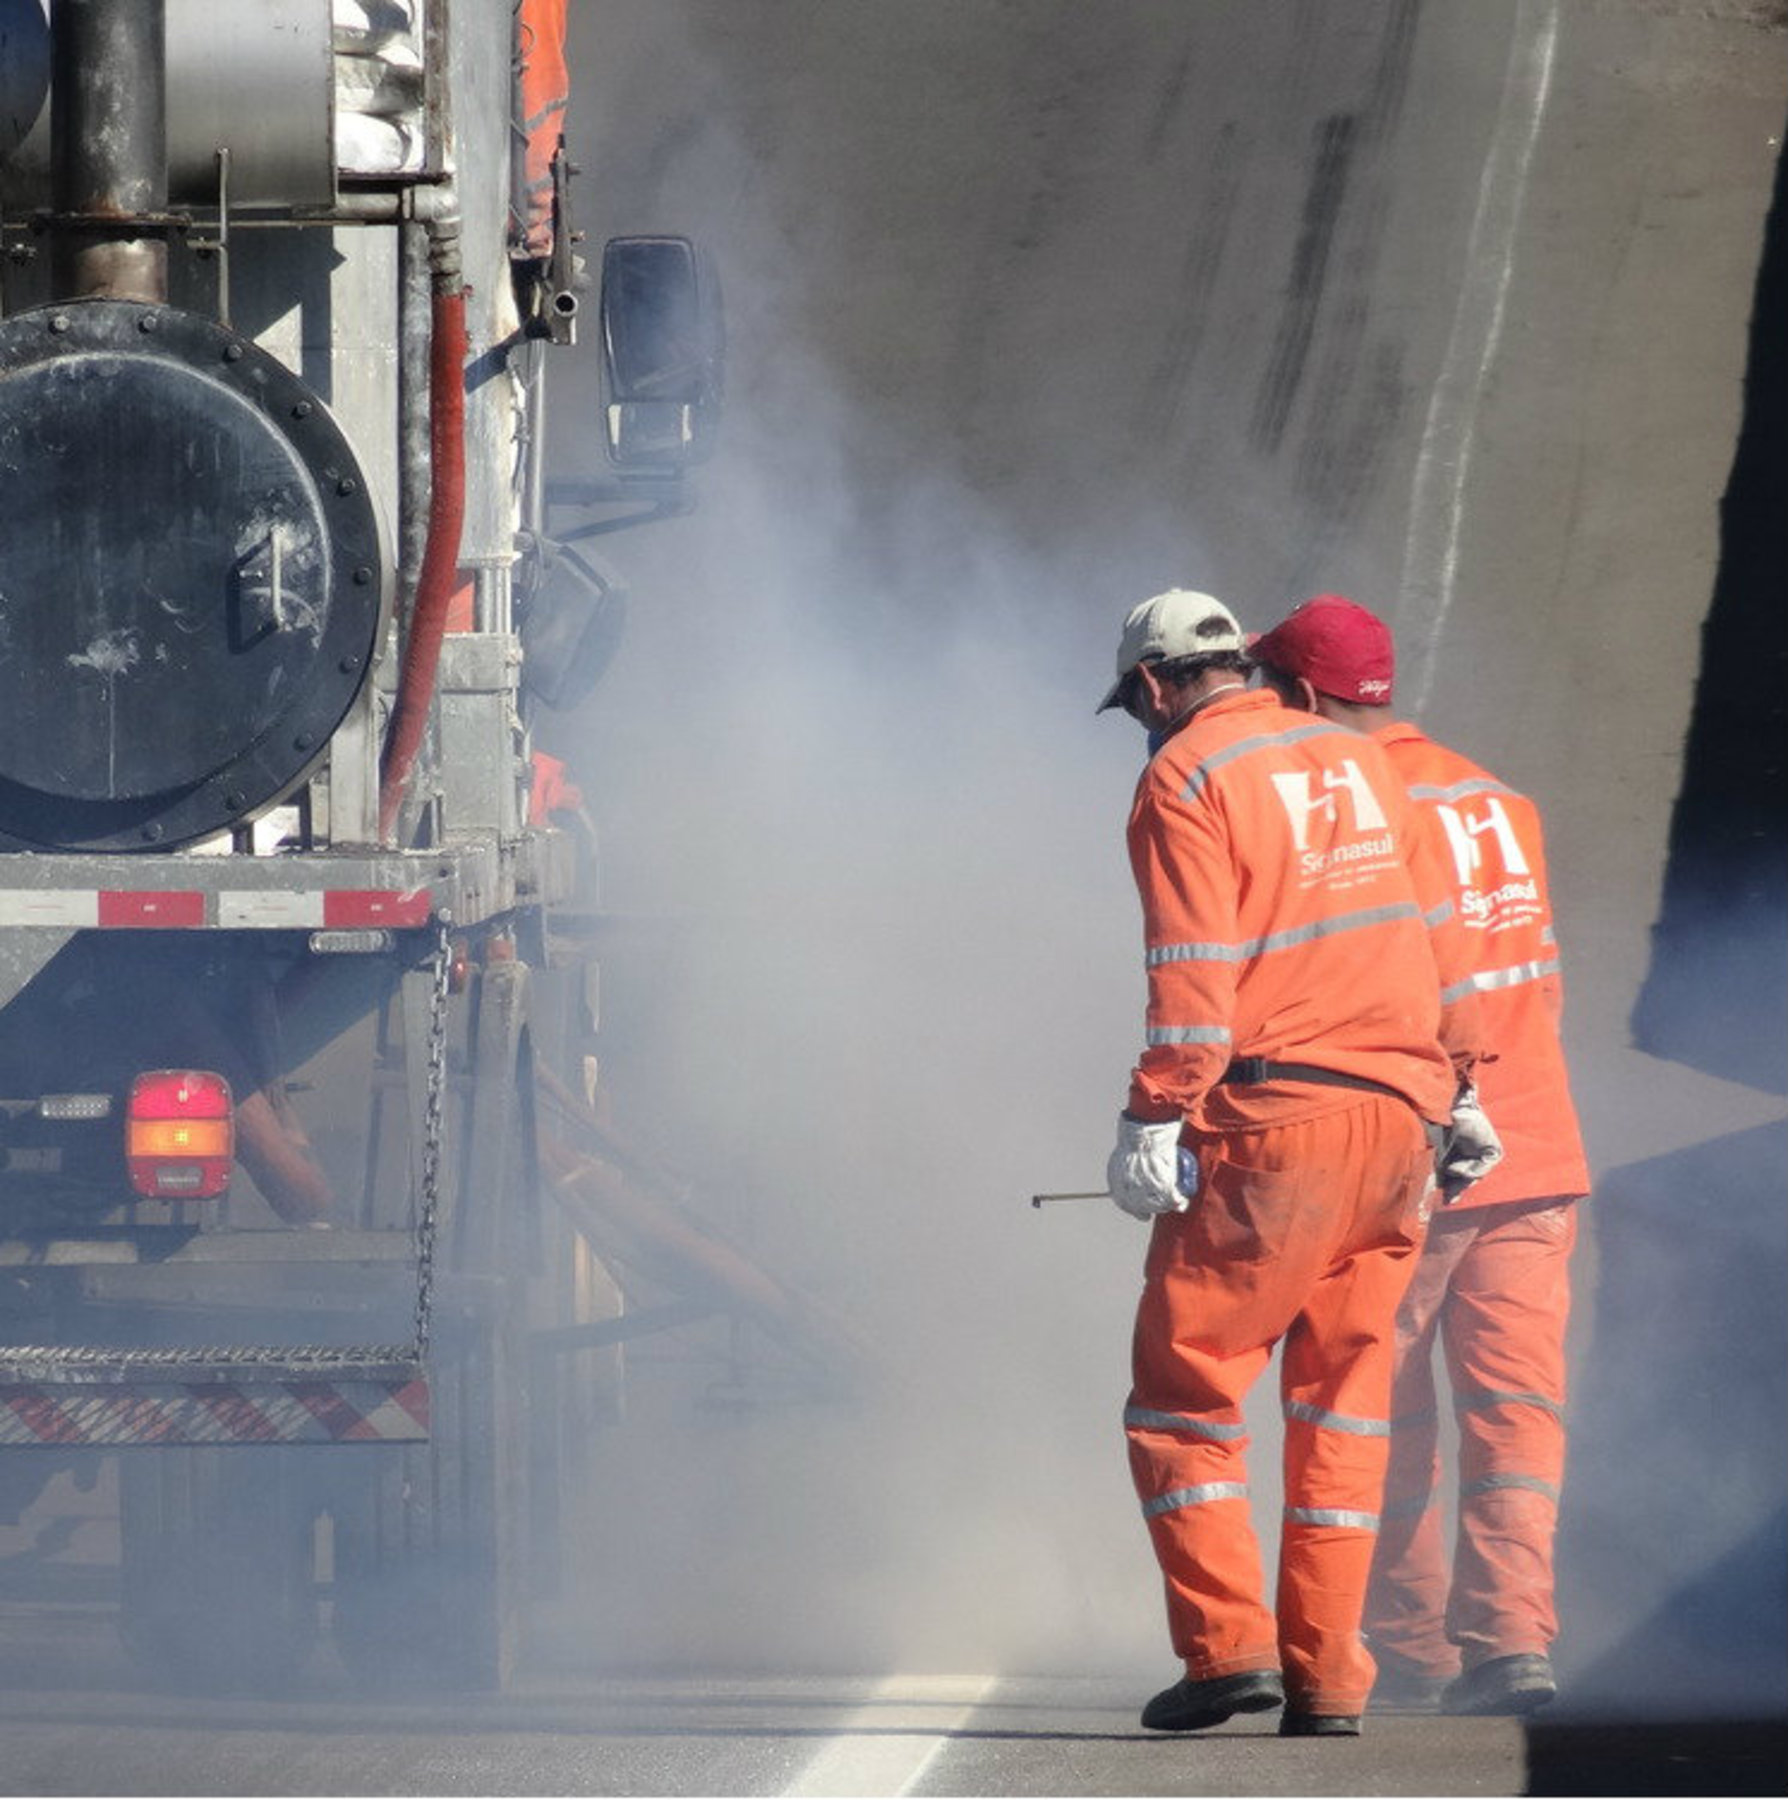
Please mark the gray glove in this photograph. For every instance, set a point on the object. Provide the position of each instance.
(1146, 1170)
(1470, 1150)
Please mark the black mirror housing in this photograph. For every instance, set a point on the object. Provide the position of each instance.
(662, 354)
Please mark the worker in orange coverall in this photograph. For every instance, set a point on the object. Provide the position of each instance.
(1280, 1133)
(1493, 1281)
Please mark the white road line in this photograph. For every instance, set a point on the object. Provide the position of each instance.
(888, 1744)
(1437, 497)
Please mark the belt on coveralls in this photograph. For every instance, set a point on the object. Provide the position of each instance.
(1247, 1071)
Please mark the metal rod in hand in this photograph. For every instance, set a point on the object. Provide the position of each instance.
(1090, 1194)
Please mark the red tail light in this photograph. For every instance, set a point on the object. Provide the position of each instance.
(179, 1135)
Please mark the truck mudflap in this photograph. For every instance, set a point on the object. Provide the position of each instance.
(116, 1400)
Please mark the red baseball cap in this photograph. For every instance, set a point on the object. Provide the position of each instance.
(1337, 646)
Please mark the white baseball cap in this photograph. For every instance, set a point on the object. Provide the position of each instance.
(1171, 625)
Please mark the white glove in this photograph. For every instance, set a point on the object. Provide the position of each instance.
(1144, 1171)
(1471, 1148)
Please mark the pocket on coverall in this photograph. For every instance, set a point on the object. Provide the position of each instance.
(1244, 1214)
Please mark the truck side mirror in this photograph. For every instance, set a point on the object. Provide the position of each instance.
(662, 351)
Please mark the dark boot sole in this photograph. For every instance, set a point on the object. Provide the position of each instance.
(1297, 1724)
(1513, 1705)
(1200, 1712)
(1505, 1687)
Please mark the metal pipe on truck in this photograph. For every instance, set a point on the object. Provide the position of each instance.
(110, 151)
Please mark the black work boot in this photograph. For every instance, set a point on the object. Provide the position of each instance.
(1405, 1685)
(1293, 1723)
(1503, 1685)
(1195, 1705)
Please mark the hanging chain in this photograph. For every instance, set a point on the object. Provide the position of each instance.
(433, 1115)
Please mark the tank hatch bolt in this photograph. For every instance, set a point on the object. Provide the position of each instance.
(347, 485)
(59, 323)
(302, 410)
(232, 353)
(348, 664)
(147, 322)
(362, 578)
(235, 802)
(303, 741)
(152, 831)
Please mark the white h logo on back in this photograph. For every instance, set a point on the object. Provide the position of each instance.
(1468, 854)
(1299, 803)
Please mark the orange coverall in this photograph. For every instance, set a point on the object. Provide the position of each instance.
(1493, 1281)
(1294, 911)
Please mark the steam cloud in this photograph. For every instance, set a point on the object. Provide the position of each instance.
(848, 758)
(847, 761)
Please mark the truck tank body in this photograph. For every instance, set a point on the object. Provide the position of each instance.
(308, 1227)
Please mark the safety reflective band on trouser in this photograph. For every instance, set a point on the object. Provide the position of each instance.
(1492, 1484)
(1331, 1515)
(1412, 1508)
(1473, 1400)
(1147, 1419)
(1195, 1496)
(1334, 1421)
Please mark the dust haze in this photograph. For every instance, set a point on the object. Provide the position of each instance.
(851, 786)
(881, 980)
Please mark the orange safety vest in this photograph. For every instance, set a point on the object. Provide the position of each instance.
(1294, 908)
(1492, 842)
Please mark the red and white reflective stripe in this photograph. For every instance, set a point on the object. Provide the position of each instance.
(250, 910)
(236, 909)
(177, 911)
(352, 909)
(50, 906)
(286, 1412)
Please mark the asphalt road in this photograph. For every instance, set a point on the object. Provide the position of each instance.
(1033, 309)
(103, 1733)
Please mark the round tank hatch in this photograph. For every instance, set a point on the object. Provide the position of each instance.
(192, 577)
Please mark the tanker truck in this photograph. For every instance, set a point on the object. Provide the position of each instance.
(313, 1238)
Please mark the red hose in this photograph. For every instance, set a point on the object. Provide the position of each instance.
(440, 555)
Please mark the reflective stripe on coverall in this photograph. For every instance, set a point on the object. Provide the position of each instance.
(1305, 1232)
(1292, 910)
(1495, 858)
(1493, 1285)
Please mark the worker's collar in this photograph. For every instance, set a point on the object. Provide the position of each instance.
(1161, 734)
(1399, 731)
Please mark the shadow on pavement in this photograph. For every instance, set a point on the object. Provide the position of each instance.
(1673, 1542)
(1728, 1757)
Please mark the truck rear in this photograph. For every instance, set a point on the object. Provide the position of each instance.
(306, 1214)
